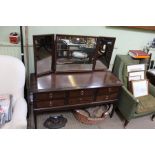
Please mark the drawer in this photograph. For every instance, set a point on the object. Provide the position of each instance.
(103, 98)
(52, 103)
(107, 97)
(114, 96)
(108, 90)
(80, 93)
(80, 100)
(48, 96)
(113, 89)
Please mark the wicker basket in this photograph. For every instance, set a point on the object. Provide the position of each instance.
(83, 116)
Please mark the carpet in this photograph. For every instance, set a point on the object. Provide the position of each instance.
(116, 122)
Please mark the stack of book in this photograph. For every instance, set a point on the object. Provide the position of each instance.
(138, 54)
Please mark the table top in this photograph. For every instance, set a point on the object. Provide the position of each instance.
(70, 81)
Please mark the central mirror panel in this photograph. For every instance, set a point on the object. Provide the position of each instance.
(75, 53)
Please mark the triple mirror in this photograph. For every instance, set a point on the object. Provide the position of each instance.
(71, 53)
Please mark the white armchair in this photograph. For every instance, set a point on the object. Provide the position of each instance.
(12, 81)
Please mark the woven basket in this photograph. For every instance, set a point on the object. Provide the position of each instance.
(83, 116)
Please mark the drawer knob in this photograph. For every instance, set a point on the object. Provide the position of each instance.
(107, 97)
(50, 95)
(82, 92)
(50, 103)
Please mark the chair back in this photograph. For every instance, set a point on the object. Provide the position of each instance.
(12, 76)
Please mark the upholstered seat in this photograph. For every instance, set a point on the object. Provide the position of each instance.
(129, 106)
(12, 81)
(146, 104)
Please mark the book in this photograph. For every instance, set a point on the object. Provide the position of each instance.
(138, 54)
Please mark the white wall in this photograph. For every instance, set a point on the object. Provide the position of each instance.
(5, 31)
(126, 39)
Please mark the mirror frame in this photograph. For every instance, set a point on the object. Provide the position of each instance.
(109, 42)
(52, 69)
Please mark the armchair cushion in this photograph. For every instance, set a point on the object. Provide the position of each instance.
(12, 81)
(19, 115)
(146, 104)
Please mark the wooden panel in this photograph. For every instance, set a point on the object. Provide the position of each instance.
(103, 91)
(48, 96)
(113, 96)
(102, 98)
(78, 93)
(73, 81)
(52, 103)
(113, 89)
(106, 97)
(81, 100)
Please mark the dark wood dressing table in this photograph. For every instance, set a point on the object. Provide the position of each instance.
(55, 92)
(71, 72)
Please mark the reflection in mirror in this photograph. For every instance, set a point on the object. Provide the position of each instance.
(43, 50)
(75, 53)
(104, 52)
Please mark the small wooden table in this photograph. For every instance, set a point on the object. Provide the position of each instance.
(55, 92)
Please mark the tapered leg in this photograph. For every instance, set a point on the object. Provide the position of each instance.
(126, 123)
(113, 110)
(35, 120)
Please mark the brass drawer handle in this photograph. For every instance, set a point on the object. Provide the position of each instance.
(50, 95)
(51, 103)
(107, 97)
(82, 92)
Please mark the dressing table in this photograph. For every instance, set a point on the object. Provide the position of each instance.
(75, 74)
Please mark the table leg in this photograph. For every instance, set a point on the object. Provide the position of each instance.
(35, 120)
(113, 110)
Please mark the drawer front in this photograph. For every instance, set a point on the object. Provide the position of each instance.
(114, 96)
(80, 93)
(107, 97)
(102, 91)
(103, 98)
(80, 100)
(113, 89)
(48, 96)
(47, 104)
(108, 90)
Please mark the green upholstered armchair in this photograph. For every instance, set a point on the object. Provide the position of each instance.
(129, 106)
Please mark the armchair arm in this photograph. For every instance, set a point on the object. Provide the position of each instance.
(18, 120)
(151, 89)
(127, 104)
